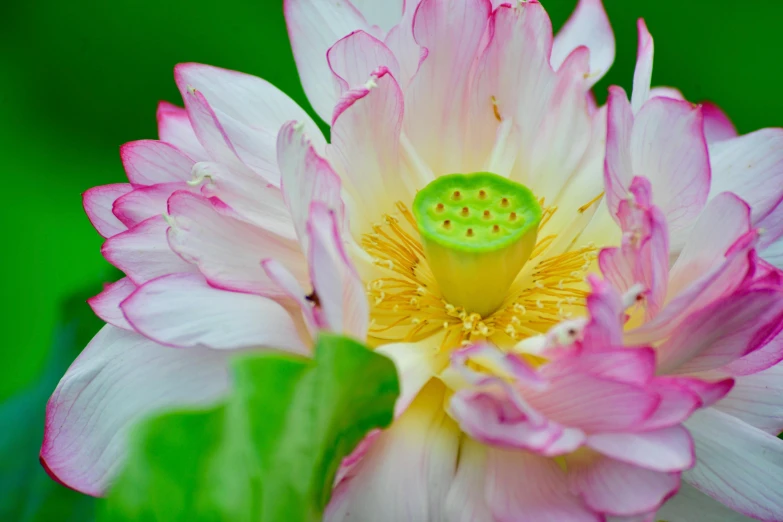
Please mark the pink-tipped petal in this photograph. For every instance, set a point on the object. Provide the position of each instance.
(106, 305)
(183, 311)
(313, 27)
(249, 110)
(120, 378)
(617, 488)
(228, 251)
(717, 125)
(355, 57)
(343, 301)
(149, 162)
(618, 166)
(540, 493)
(665, 450)
(288, 284)
(751, 166)
(588, 26)
(98, 203)
(382, 13)
(306, 177)
(365, 149)
(722, 332)
(739, 465)
(146, 202)
(406, 472)
(668, 148)
(642, 76)
(436, 98)
(143, 252)
(758, 360)
(175, 129)
(758, 400)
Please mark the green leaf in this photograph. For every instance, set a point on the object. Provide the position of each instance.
(270, 452)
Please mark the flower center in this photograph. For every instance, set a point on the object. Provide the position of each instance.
(477, 231)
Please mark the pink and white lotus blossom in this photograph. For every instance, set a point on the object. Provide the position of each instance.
(532, 388)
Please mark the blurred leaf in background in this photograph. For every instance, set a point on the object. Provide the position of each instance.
(270, 452)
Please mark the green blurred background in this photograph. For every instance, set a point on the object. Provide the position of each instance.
(81, 78)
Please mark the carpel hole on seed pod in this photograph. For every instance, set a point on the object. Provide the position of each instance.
(482, 194)
(456, 196)
(465, 211)
(439, 207)
(447, 224)
(470, 232)
(487, 214)
(512, 216)
(504, 202)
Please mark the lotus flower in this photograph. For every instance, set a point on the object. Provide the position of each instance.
(583, 302)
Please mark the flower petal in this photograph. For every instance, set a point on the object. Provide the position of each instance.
(250, 111)
(98, 203)
(106, 305)
(383, 13)
(722, 332)
(408, 470)
(342, 298)
(183, 311)
(149, 162)
(119, 378)
(665, 450)
(306, 177)
(751, 167)
(620, 489)
(739, 465)
(758, 400)
(313, 27)
(465, 501)
(436, 98)
(175, 129)
(717, 125)
(228, 251)
(588, 26)
(353, 58)
(143, 252)
(524, 486)
(691, 505)
(145, 202)
(642, 75)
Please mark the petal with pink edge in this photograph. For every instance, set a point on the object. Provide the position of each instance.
(668, 148)
(617, 488)
(249, 111)
(98, 203)
(758, 400)
(642, 75)
(119, 378)
(739, 465)
(691, 505)
(717, 125)
(149, 162)
(313, 27)
(228, 251)
(183, 311)
(353, 58)
(342, 299)
(175, 129)
(751, 166)
(306, 177)
(287, 283)
(664, 450)
(146, 202)
(758, 360)
(408, 470)
(365, 149)
(722, 332)
(589, 26)
(106, 305)
(436, 98)
(143, 252)
(524, 486)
